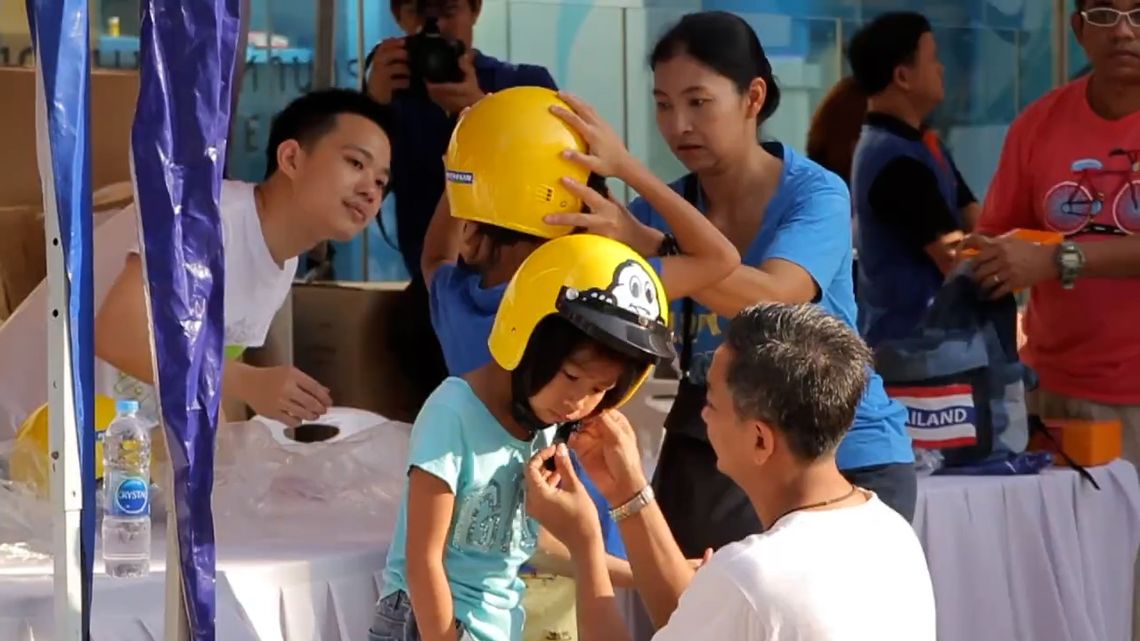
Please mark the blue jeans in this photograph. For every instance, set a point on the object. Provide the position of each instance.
(394, 621)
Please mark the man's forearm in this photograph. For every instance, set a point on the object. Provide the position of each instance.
(235, 379)
(598, 616)
(660, 571)
(1113, 258)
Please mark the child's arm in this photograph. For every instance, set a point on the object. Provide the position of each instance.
(705, 255)
(430, 506)
(552, 557)
(441, 243)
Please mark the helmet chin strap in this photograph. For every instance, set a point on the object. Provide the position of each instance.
(521, 410)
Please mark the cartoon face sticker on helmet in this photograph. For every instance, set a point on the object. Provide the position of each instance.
(632, 289)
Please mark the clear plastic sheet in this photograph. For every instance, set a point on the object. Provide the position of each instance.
(257, 477)
(25, 523)
(258, 482)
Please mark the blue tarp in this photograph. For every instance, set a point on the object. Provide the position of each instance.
(59, 35)
(178, 147)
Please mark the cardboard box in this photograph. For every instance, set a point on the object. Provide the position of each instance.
(113, 97)
(340, 333)
(22, 255)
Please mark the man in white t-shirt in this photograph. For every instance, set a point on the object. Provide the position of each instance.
(833, 564)
(328, 166)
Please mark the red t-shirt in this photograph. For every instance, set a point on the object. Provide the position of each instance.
(1057, 173)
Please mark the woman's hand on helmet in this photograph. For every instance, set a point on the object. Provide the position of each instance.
(607, 217)
(608, 155)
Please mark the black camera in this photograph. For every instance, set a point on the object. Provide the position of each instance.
(432, 57)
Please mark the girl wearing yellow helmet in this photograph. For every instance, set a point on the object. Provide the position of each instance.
(516, 157)
(581, 324)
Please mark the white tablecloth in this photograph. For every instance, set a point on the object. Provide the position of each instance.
(301, 580)
(1032, 558)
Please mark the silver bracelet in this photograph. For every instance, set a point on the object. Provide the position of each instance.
(638, 503)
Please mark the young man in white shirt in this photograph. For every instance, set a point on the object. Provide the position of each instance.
(328, 167)
(833, 564)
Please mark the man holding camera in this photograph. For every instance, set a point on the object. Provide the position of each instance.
(428, 78)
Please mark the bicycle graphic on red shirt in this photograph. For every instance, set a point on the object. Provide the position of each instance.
(1072, 207)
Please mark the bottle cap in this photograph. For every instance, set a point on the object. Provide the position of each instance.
(126, 406)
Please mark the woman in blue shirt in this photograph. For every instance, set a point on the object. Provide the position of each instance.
(790, 220)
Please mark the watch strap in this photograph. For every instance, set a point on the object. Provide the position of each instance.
(1070, 261)
(636, 504)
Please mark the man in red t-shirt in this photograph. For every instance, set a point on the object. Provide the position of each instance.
(1071, 164)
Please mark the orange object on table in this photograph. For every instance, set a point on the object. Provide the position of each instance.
(1039, 236)
(1084, 442)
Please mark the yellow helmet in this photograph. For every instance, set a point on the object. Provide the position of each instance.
(601, 286)
(504, 165)
(30, 464)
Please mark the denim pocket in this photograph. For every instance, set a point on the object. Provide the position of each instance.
(390, 620)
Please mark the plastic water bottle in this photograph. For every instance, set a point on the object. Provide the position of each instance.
(126, 493)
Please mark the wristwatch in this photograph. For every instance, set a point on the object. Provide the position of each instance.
(1070, 261)
(668, 246)
(636, 504)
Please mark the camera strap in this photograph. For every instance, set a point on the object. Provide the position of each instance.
(691, 193)
(366, 66)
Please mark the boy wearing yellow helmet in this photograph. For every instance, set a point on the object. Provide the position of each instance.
(581, 324)
(516, 158)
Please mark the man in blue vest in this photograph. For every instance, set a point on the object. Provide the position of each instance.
(912, 207)
(421, 131)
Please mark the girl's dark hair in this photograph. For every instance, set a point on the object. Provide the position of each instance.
(502, 237)
(553, 341)
(725, 43)
(499, 238)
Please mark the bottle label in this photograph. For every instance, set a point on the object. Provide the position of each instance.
(131, 496)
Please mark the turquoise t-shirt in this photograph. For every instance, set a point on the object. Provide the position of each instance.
(457, 439)
(807, 223)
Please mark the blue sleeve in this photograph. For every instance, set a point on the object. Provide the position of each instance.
(816, 233)
(656, 263)
(437, 291)
(437, 445)
(524, 76)
(540, 77)
(646, 214)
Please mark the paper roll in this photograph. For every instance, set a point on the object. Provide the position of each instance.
(338, 424)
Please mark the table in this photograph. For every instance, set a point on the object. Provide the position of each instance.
(1032, 558)
(306, 585)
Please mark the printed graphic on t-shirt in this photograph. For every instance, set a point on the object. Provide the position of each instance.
(493, 516)
(1102, 198)
(705, 333)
